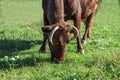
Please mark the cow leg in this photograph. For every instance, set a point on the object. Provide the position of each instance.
(88, 25)
(45, 36)
(43, 46)
(77, 21)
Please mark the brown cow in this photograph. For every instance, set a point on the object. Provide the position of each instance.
(56, 31)
(77, 10)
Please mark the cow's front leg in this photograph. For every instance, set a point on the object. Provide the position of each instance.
(45, 35)
(77, 20)
(43, 46)
(88, 25)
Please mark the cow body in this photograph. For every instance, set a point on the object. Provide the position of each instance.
(85, 13)
(58, 11)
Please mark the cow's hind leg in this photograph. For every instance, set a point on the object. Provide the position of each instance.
(88, 24)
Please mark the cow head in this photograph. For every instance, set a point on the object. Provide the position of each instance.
(58, 37)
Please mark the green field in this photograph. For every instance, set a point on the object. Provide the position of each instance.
(21, 37)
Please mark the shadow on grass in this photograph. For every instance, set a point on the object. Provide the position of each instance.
(27, 62)
(12, 47)
(8, 47)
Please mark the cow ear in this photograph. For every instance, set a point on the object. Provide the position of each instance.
(46, 29)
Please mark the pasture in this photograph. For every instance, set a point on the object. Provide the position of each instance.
(21, 37)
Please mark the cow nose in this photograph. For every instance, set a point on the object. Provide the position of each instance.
(58, 61)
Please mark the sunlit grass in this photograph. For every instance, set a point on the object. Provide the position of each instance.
(21, 36)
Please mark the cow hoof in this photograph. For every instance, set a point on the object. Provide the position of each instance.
(80, 51)
(57, 60)
(60, 61)
(83, 42)
(41, 51)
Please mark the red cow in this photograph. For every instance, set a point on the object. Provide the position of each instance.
(76, 10)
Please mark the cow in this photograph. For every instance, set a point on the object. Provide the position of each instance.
(76, 10)
(55, 30)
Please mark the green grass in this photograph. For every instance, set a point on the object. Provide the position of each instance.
(20, 34)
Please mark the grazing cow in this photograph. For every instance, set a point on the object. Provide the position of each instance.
(76, 10)
(55, 29)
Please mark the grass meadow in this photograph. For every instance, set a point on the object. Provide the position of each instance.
(21, 37)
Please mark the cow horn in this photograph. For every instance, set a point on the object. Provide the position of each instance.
(52, 33)
(76, 32)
